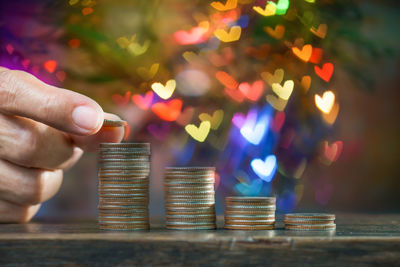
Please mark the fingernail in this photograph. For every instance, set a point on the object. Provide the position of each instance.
(86, 117)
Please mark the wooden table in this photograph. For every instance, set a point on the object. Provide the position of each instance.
(358, 240)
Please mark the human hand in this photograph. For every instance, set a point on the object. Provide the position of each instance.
(43, 131)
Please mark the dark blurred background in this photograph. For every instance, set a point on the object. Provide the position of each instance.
(77, 45)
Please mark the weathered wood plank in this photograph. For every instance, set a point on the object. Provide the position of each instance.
(359, 240)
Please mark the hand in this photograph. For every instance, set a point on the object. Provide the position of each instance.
(43, 131)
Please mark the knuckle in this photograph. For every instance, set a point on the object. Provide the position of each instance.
(30, 142)
(8, 85)
(35, 189)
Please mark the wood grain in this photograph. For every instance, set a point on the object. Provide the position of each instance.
(359, 240)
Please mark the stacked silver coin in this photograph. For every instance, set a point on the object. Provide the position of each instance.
(124, 173)
(250, 213)
(190, 198)
(310, 221)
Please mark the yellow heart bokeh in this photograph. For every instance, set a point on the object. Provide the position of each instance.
(215, 119)
(198, 133)
(276, 102)
(137, 49)
(233, 35)
(326, 102)
(148, 74)
(191, 56)
(276, 78)
(269, 10)
(284, 91)
(123, 41)
(166, 91)
(230, 4)
(73, 2)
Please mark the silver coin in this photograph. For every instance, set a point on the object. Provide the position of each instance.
(189, 168)
(240, 206)
(250, 216)
(123, 206)
(250, 199)
(310, 216)
(128, 190)
(125, 145)
(124, 216)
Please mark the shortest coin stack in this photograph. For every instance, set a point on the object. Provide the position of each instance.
(250, 213)
(310, 221)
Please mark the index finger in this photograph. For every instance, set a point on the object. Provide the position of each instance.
(24, 95)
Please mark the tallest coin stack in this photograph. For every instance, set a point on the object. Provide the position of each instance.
(124, 186)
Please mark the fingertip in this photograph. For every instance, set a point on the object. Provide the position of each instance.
(88, 118)
(104, 135)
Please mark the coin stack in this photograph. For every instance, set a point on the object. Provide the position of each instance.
(124, 186)
(250, 213)
(310, 221)
(189, 198)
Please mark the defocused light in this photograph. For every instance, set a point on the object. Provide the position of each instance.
(121, 100)
(252, 189)
(325, 73)
(277, 103)
(166, 91)
(281, 7)
(278, 121)
(193, 36)
(137, 49)
(325, 103)
(148, 74)
(231, 36)
(9, 48)
(193, 82)
(74, 43)
(284, 91)
(50, 65)
(330, 118)
(253, 130)
(215, 119)
(276, 33)
(277, 77)
(268, 10)
(320, 31)
(298, 172)
(304, 54)
(227, 80)
(143, 101)
(230, 4)
(186, 116)
(332, 152)
(236, 95)
(61, 75)
(198, 133)
(305, 83)
(87, 10)
(168, 111)
(252, 92)
(265, 169)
